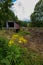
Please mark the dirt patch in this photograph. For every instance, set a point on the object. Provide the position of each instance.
(35, 39)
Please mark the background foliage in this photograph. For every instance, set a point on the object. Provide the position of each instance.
(37, 15)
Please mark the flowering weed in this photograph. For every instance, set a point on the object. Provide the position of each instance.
(16, 38)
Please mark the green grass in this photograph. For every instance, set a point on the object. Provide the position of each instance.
(23, 32)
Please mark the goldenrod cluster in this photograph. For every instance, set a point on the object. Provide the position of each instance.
(22, 40)
(16, 38)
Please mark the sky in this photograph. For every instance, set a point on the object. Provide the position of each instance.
(24, 8)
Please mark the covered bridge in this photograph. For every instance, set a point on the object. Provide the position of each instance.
(12, 25)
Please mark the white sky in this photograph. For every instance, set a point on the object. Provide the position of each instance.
(24, 8)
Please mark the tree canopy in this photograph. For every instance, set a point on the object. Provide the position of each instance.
(5, 11)
(37, 15)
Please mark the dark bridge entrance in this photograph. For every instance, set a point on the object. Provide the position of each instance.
(11, 24)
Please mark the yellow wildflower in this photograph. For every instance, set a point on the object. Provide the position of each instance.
(15, 36)
(20, 41)
(23, 40)
(11, 42)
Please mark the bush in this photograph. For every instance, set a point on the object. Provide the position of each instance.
(36, 24)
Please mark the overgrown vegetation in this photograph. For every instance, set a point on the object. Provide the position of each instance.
(15, 55)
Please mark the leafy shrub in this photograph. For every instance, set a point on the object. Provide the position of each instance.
(36, 24)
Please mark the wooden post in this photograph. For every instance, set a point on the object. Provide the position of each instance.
(7, 25)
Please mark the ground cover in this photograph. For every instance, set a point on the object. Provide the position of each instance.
(15, 55)
(31, 43)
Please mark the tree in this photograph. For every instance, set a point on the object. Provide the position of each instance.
(37, 15)
(5, 12)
